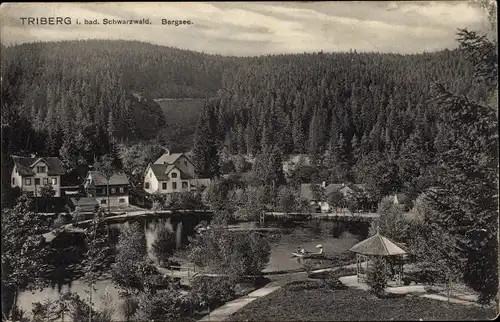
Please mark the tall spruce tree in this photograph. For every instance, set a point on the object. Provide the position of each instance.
(205, 145)
(466, 194)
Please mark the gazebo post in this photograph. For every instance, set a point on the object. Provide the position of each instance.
(357, 266)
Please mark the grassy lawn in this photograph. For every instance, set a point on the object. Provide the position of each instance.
(304, 301)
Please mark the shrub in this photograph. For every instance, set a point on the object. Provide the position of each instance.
(131, 249)
(377, 276)
(211, 292)
(164, 245)
(60, 221)
(163, 305)
(129, 307)
(68, 304)
(219, 250)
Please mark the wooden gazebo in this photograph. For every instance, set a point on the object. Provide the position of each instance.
(378, 245)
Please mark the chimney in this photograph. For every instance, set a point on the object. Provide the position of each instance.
(323, 184)
(33, 155)
(167, 151)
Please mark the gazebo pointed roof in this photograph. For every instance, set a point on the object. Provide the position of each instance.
(378, 245)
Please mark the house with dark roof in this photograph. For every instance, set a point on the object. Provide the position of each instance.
(172, 173)
(346, 190)
(85, 205)
(95, 186)
(30, 174)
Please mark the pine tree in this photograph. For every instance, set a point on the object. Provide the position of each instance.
(465, 197)
(111, 127)
(205, 145)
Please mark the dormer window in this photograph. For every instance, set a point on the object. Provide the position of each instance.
(174, 174)
(40, 169)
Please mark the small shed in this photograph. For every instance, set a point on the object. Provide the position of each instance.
(381, 246)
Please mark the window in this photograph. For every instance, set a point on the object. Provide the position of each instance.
(13, 181)
(40, 169)
(164, 186)
(174, 174)
(185, 163)
(54, 181)
(122, 190)
(15, 169)
(103, 201)
(146, 185)
(99, 191)
(45, 181)
(113, 190)
(184, 185)
(121, 200)
(174, 185)
(150, 174)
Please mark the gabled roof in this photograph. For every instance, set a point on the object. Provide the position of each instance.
(25, 165)
(378, 245)
(161, 171)
(169, 158)
(84, 201)
(117, 179)
(306, 192)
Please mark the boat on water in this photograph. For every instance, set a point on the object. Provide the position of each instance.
(306, 254)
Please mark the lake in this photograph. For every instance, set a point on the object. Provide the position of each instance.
(334, 237)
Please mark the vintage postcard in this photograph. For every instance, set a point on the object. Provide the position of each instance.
(237, 161)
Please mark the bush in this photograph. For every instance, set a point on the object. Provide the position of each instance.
(164, 305)
(219, 250)
(211, 292)
(60, 221)
(131, 251)
(377, 276)
(164, 245)
(129, 307)
(69, 304)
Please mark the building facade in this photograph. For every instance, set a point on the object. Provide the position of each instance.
(95, 186)
(172, 173)
(33, 173)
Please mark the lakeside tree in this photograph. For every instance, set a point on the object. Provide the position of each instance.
(466, 194)
(391, 222)
(165, 244)
(130, 250)
(219, 250)
(23, 252)
(288, 200)
(97, 255)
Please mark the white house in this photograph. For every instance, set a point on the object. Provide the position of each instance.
(172, 173)
(30, 174)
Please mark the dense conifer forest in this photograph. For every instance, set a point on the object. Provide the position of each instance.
(349, 111)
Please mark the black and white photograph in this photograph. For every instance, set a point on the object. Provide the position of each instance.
(249, 161)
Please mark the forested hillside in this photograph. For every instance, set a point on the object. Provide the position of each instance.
(181, 117)
(350, 111)
(77, 97)
(361, 117)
